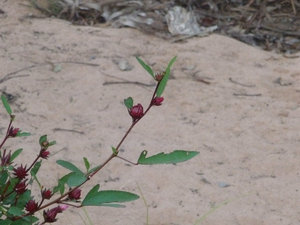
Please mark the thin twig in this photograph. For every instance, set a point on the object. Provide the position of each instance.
(238, 83)
(293, 7)
(145, 203)
(10, 75)
(127, 82)
(248, 95)
(68, 130)
(126, 160)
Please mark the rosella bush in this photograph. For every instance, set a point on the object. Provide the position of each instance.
(18, 204)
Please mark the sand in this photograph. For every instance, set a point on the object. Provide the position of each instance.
(238, 105)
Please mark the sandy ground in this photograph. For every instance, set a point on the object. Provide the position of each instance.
(245, 122)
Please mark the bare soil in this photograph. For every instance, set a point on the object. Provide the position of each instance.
(239, 106)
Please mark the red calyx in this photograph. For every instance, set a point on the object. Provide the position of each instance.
(157, 101)
(20, 188)
(136, 112)
(31, 206)
(13, 132)
(20, 172)
(46, 194)
(75, 194)
(44, 154)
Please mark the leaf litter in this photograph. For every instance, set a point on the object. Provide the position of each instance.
(268, 24)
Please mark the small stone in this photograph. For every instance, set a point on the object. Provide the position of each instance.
(123, 64)
(222, 184)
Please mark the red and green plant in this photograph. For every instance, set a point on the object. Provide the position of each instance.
(17, 203)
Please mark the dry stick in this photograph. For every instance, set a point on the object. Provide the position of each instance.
(11, 77)
(11, 74)
(244, 85)
(121, 79)
(127, 82)
(293, 7)
(58, 200)
(68, 130)
(248, 95)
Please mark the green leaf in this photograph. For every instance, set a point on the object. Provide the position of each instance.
(114, 150)
(76, 179)
(101, 198)
(128, 102)
(61, 184)
(52, 143)
(69, 166)
(15, 211)
(162, 158)
(86, 163)
(23, 134)
(163, 82)
(42, 140)
(15, 154)
(6, 222)
(113, 205)
(3, 178)
(146, 67)
(29, 219)
(23, 199)
(35, 168)
(94, 169)
(6, 105)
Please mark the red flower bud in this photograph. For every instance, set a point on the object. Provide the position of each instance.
(159, 76)
(13, 132)
(136, 112)
(44, 154)
(75, 194)
(157, 101)
(31, 206)
(50, 214)
(20, 172)
(46, 194)
(5, 158)
(20, 188)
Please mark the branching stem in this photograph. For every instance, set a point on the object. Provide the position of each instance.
(89, 176)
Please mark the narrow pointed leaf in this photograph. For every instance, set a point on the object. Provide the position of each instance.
(35, 168)
(94, 169)
(69, 166)
(76, 179)
(52, 143)
(146, 67)
(15, 154)
(23, 134)
(163, 158)
(6, 105)
(163, 82)
(128, 102)
(86, 163)
(101, 198)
